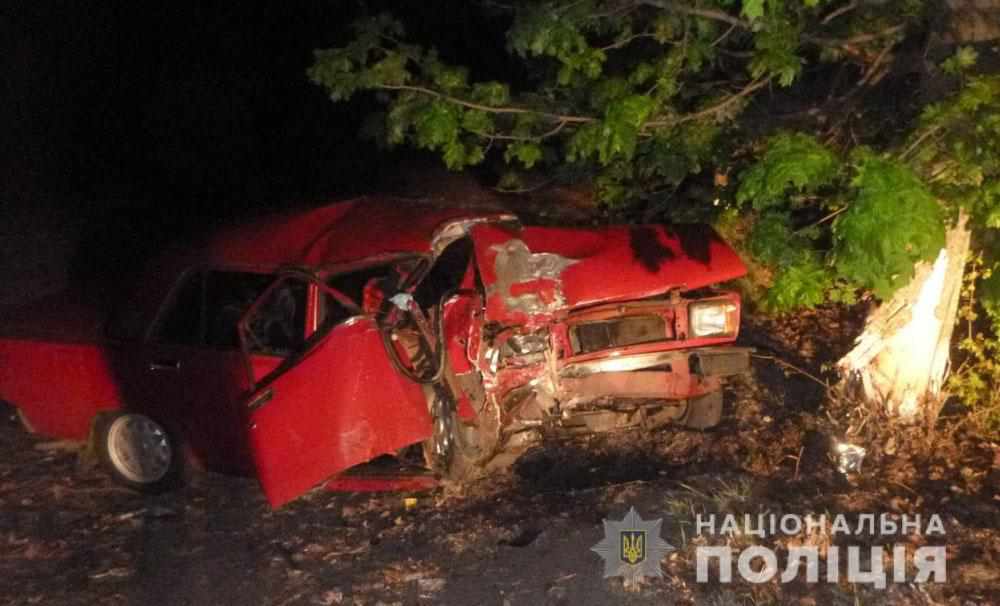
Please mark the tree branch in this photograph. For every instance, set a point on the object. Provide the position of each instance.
(501, 137)
(568, 119)
(563, 120)
(714, 109)
(840, 11)
(859, 39)
(916, 143)
(823, 220)
(724, 17)
(715, 15)
(725, 35)
(625, 41)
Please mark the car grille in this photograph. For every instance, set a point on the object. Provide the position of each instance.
(619, 332)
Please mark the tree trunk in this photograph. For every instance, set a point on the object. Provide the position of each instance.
(901, 359)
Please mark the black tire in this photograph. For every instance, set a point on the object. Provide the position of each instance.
(138, 452)
(703, 412)
(457, 451)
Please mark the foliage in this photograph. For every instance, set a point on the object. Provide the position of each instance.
(963, 157)
(638, 93)
(793, 161)
(976, 381)
(886, 221)
(892, 222)
(630, 92)
(891, 209)
(799, 277)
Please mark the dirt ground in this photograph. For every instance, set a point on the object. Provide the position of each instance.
(70, 536)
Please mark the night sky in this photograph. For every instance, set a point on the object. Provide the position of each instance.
(145, 122)
(201, 107)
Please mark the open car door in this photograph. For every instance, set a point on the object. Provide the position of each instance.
(334, 401)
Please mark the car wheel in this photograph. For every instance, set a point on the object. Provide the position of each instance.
(704, 411)
(138, 451)
(456, 449)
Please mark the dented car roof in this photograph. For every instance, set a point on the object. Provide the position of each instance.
(337, 233)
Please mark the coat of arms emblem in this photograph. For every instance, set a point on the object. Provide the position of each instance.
(632, 548)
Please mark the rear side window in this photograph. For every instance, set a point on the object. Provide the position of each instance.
(181, 325)
(207, 306)
(228, 295)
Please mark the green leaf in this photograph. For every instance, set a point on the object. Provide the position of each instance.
(892, 223)
(437, 126)
(450, 78)
(664, 28)
(753, 9)
(584, 143)
(641, 74)
(802, 284)
(526, 153)
(631, 111)
(477, 122)
(771, 240)
(454, 154)
(793, 162)
(493, 94)
(389, 71)
(776, 51)
(510, 181)
(964, 58)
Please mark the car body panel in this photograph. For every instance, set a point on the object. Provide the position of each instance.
(316, 238)
(340, 405)
(197, 393)
(62, 317)
(58, 385)
(532, 273)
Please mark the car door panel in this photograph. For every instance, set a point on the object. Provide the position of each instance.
(342, 403)
(198, 392)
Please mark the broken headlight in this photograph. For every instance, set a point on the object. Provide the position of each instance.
(526, 347)
(713, 319)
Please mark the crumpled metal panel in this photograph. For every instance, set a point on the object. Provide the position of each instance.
(528, 282)
(535, 274)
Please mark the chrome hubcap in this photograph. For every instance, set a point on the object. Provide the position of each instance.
(139, 448)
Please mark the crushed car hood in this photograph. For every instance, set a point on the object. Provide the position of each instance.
(533, 273)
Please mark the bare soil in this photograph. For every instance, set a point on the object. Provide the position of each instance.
(70, 536)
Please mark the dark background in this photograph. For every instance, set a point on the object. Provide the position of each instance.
(144, 120)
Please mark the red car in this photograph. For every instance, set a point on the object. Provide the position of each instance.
(301, 345)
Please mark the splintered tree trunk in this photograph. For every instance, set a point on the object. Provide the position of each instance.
(901, 358)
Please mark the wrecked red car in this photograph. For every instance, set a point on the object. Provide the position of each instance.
(300, 345)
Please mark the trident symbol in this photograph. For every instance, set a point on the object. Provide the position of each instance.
(632, 548)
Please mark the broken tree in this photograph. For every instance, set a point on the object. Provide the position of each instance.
(901, 359)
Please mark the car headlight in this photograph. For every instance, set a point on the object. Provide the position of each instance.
(524, 349)
(713, 319)
(526, 344)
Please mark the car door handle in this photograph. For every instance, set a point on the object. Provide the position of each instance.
(156, 365)
(260, 399)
